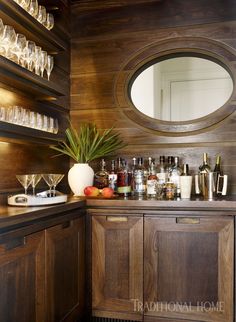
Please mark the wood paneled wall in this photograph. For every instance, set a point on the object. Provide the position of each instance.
(106, 36)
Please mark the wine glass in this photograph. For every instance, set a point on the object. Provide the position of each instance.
(25, 180)
(24, 4)
(29, 54)
(33, 8)
(43, 61)
(56, 179)
(35, 180)
(1, 35)
(42, 14)
(49, 24)
(37, 60)
(49, 65)
(8, 39)
(19, 46)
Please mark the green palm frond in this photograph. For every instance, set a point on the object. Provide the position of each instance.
(89, 143)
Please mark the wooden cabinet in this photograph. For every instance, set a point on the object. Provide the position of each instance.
(117, 266)
(22, 279)
(42, 273)
(188, 269)
(65, 270)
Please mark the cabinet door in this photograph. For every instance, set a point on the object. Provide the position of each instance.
(188, 268)
(65, 270)
(22, 279)
(117, 264)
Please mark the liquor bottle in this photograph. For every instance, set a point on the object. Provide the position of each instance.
(139, 179)
(205, 168)
(151, 181)
(185, 170)
(218, 172)
(112, 176)
(170, 162)
(101, 177)
(124, 180)
(161, 171)
(134, 165)
(174, 177)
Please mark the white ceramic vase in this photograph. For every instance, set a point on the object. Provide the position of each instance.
(80, 176)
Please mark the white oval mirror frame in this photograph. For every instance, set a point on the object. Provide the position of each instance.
(181, 88)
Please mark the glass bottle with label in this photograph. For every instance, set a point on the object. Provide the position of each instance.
(101, 177)
(112, 176)
(139, 179)
(151, 181)
(161, 171)
(124, 180)
(174, 177)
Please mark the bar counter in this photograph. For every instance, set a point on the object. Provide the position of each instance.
(14, 217)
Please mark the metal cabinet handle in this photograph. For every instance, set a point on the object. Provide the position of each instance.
(117, 218)
(188, 221)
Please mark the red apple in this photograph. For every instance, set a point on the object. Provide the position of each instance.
(91, 191)
(107, 192)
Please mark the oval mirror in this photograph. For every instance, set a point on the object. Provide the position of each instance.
(181, 89)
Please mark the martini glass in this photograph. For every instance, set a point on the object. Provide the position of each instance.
(25, 180)
(48, 178)
(56, 179)
(35, 180)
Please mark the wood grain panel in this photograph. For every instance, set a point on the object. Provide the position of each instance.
(151, 16)
(114, 36)
(220, 234)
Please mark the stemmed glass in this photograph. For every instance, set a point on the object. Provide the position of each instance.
(49, 24)
(37, 61)
(33, 8)
(25, 180)
(48, 178)
(24, 4)
(56, 179)
(8, 39)
(43, 61)
(49, 65)
(29, 54)
(35, 180)
(42, 14)
(1, 35)
(19, 46)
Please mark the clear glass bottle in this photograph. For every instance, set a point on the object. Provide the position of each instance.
(139, 179)
(169, 165)
(219, 172)
(101, 177)
(151, 181)
(124, 180)
(161, 171)
(112, 176)
(133, 167)
(174, 176)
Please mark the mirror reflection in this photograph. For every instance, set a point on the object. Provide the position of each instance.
(181, 89)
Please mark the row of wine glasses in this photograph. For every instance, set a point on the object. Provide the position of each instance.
(25, 117)
(38, 12)
(24, 52)
(51, 179)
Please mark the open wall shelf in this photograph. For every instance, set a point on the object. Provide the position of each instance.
(12, 14)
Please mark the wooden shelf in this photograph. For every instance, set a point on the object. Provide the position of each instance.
(12, 14)
(20, 78)
(23, 134)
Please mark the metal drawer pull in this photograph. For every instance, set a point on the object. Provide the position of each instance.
(186, 220)
(116, 219)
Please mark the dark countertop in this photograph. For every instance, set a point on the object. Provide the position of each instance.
(13, 216)
(226, 204)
